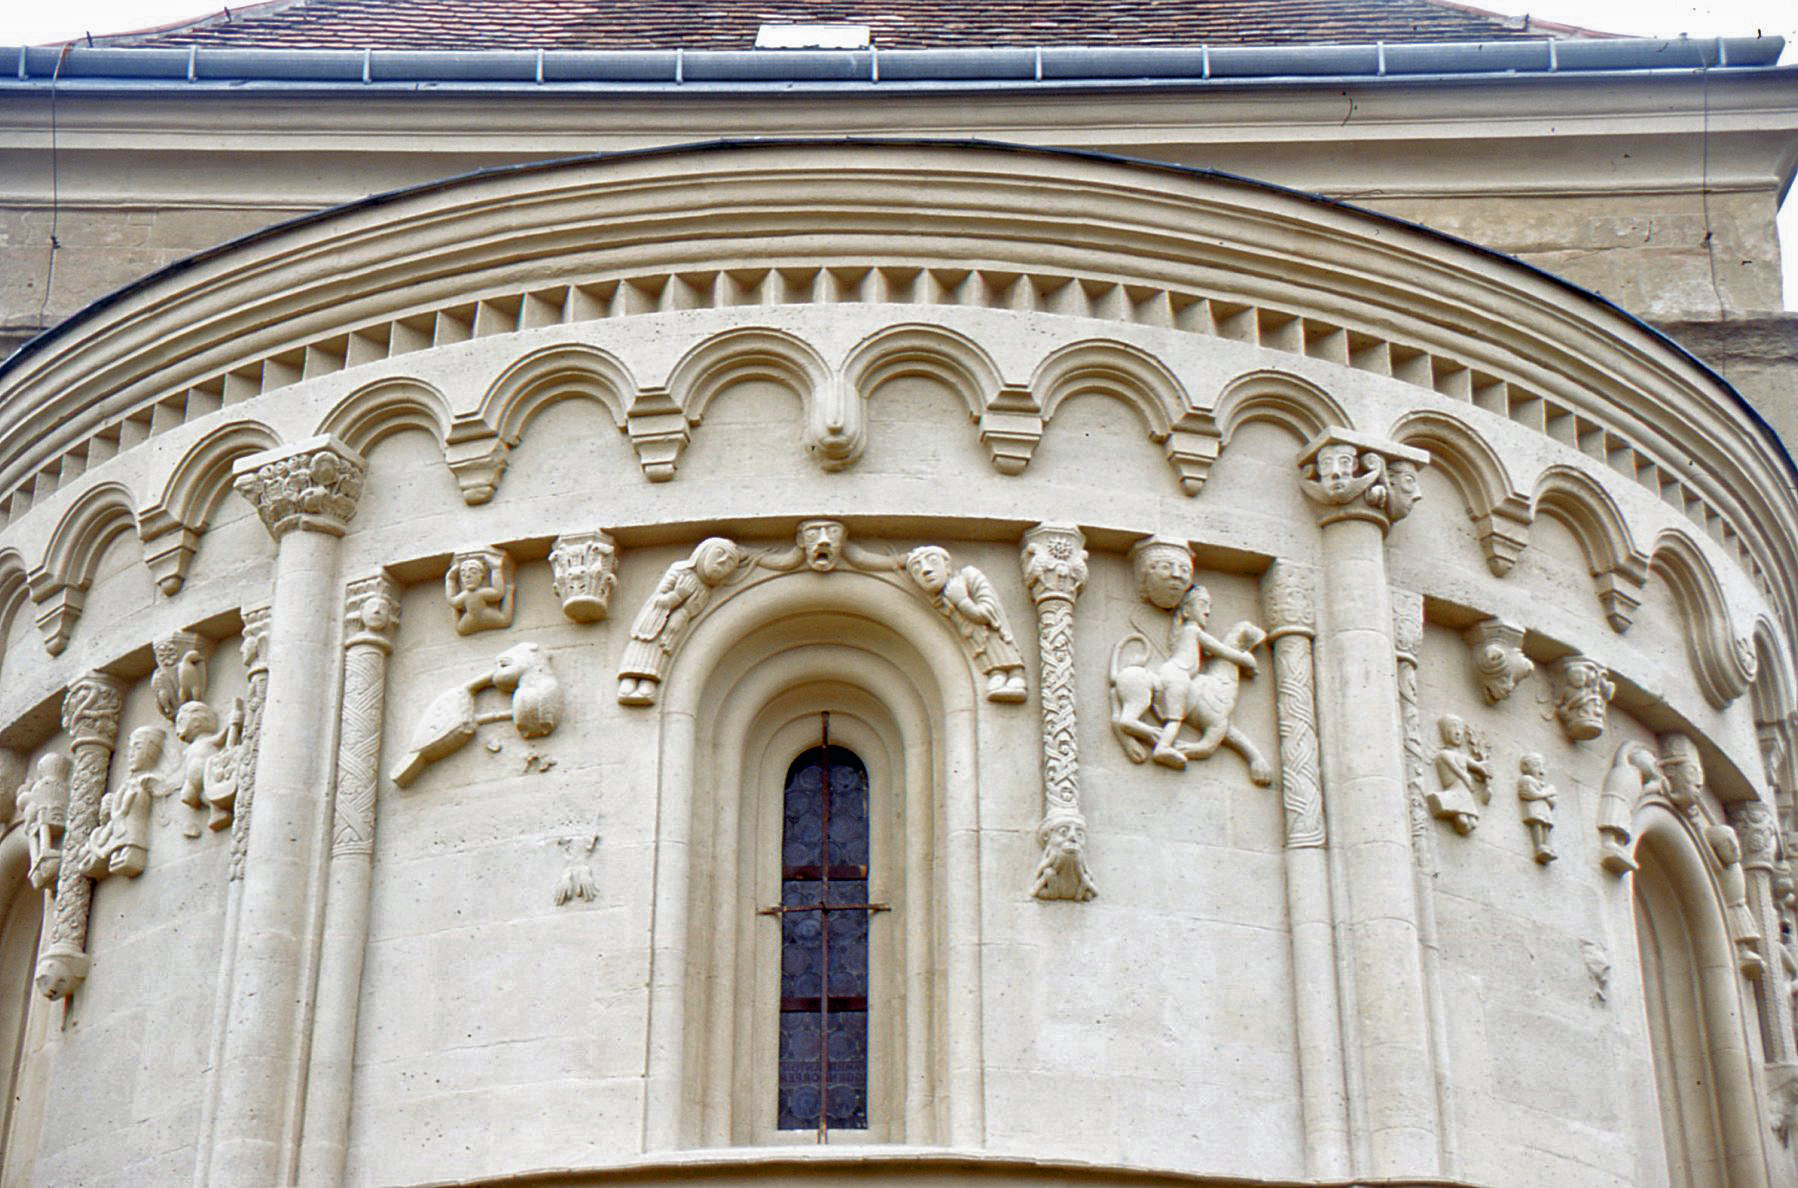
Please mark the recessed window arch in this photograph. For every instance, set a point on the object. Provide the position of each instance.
(741, 703)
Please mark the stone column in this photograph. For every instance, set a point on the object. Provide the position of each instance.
(90, 715)
(305, 494)
(1054, 560)
(1758, 830)
(1407, 638)
(1288, 604)
(1360, 486)
(371, 618)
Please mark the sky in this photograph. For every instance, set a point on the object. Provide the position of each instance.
(23, 23)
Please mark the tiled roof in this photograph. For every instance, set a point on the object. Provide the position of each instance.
(895, 24)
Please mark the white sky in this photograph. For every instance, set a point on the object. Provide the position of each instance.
(25, 23)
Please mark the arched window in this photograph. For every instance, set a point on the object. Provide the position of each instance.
(824, 911)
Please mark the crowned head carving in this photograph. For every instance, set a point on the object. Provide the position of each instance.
(1164, 569)
(1683, 770)
(1062, 873)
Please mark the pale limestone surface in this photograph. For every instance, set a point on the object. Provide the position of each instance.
(1467, 1012)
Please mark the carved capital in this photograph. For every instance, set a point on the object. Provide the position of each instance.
(1164, 570)
(253, 649)
(1352, 476)
(90, 709)
(313, 485)
(585, 565)
(1054, 558)
(1289, 600)
(1582, 694)
(1758, 828)
(371, 612)
(1498, 660)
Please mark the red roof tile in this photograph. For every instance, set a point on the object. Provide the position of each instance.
(894, 24)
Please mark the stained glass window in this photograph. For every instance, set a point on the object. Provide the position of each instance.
(824, 916)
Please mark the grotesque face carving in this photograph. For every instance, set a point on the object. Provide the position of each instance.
(1403, 490)
(1163, 573)
(929, 567)
(822, 543)
(1336, 469)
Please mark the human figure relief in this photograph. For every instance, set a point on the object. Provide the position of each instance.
(479, 587)
(1537, 797)
(1635, 772)
(1195, 684)
(119, 843)
(1743, 929)
(1683, 770)
(208, 775)
(662, 624)
(967, 599)
(43, 805)
(1463, 772)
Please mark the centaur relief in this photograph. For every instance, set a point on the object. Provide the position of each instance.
(1193, 684)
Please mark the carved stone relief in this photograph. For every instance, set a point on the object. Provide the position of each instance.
(1354, 477)
(523, 672)
(1744, 930)
(661, 625)
(207, 779)
(1498, 658)
(120, 841)
(967, 598)
(313, 484)
(1192, 683)
(90, 715)
(1288, 601)
(1536, 798)
(1463, 772)
(480, 585)
(1582, 691)
(1054, 561)
(181, 672)
(253, 649)
(43, 805)
(1635, 772)
(1683, 771)
(585, 565)
(371, 620)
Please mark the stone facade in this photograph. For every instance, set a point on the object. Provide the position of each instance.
(1326, 692)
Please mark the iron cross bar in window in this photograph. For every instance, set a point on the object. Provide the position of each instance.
(822, 872)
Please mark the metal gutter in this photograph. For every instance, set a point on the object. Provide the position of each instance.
(115, 68)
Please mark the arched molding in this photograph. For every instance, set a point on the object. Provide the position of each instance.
(60, 581)
(732, 692)
(385, 407)
(14, 586)
(1693, 994)
(1142, 382)
(480, 442)
(1723, 661)
(1500, 512)
(1290, 401)
(1010, 422)
(171, 527)
(835, 423)
(1619, 569)
(1775, 716)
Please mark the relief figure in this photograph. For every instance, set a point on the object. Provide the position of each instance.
(662, 623)
(968, 600)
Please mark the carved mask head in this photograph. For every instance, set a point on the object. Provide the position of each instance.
(1163, 572)
(1682, 768)
(377, 612)
(822, 543)
(1402, 488)
(716, 559)
(1063, 832)
(146, 748)
(929, 567)
(1336, 468)
(1196, 606)
(57, 976)
(472, 573)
